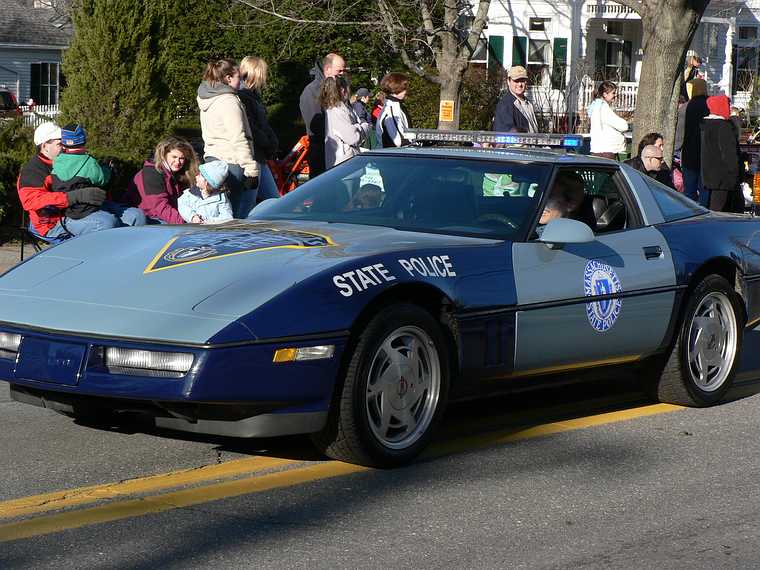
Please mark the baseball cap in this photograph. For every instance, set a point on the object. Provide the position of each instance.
(517, 72)
(215, 172)
(46, 132)
(363, 92)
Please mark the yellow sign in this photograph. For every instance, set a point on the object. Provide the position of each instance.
(446, 112)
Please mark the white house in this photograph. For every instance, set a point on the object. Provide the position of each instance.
(567, 45)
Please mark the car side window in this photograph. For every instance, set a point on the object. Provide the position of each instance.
(604, 207)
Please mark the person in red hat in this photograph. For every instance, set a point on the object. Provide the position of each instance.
(721, 173)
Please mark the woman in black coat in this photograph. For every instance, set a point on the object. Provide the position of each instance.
(253, 72)
(721, 173)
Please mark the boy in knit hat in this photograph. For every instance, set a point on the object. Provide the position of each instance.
(74, 168)
(82, 178)
(207, 202)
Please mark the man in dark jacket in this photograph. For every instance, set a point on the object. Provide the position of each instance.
(514, 113)
(652, 163)
(691, 151)
(333, 65)
(360, 105)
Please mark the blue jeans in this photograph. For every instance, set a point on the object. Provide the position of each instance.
(267, 185)
(692, 185)
(110, 215)
(242, 199)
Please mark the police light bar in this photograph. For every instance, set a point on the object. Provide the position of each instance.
(521, 139)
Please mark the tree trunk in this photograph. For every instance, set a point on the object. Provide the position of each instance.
(668, 29)
(450, 90)
(451, 76)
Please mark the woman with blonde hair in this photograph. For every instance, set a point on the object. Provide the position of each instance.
(226, 133)
(158, 186)
(344, 132)
(254, 72)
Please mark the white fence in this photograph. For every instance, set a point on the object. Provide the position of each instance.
(626, 95)
(34, 115)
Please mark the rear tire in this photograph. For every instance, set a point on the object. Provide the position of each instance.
(394, 393)
(702, 365)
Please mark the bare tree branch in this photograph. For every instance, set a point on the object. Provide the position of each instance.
(478, 24)
(255, 6)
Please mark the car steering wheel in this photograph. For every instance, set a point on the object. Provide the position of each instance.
(496, 217)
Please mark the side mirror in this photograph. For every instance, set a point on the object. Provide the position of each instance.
(563, 230)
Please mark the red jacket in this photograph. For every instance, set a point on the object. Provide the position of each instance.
(156, 193)
(45, 207)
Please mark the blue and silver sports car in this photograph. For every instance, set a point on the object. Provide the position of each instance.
(357, 306)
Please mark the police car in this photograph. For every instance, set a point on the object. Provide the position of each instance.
(356, 307)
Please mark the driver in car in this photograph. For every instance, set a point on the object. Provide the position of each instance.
(366, 197)
(567, 201)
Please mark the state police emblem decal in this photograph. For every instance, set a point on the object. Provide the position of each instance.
(600, 279)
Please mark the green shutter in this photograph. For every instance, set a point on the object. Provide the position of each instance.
(519, 50)
(559, 63)
(495, 50)
(560, 50)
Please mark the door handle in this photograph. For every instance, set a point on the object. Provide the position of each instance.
(653, 252)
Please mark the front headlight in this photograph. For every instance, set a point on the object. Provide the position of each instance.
(147, 362)
(9, 343)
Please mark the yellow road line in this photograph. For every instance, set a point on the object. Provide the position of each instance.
(178, 499)
(62, 499)
(122, 509)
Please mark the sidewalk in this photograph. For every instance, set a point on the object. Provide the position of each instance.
(10, 254)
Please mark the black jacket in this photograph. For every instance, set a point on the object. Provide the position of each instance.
(265, 140)
(508, 117)
(720, 155)
(663, 176)
(691, 154)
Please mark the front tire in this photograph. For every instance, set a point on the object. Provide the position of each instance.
(702, 366)
(394, 393)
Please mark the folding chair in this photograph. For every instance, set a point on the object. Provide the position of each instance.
(27, 235)
(28, 232)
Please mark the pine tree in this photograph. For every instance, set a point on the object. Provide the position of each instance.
(116, 86)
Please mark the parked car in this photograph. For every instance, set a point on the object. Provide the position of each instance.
(9, 108)
(357, 306)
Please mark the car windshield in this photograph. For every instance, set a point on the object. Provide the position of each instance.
(418, 193)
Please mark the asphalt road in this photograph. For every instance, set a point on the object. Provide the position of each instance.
(581, 477)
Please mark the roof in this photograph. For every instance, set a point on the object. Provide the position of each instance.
(22, 25)
(521, 154)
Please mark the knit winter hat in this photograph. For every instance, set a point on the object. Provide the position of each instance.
(73, 136)
(214, 172)
(719, 105)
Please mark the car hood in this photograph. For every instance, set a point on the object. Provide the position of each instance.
(184, 283)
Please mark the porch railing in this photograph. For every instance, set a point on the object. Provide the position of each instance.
(626, 95)
(35, 115)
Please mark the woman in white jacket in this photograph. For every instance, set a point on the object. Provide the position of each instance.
(344, 132)
(227, 134)
(607, 128)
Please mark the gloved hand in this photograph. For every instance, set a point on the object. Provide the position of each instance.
(88, 195)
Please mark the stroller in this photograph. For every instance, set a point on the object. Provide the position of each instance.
(292, 170)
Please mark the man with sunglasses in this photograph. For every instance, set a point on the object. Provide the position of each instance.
(514, 113)
(651, 163)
